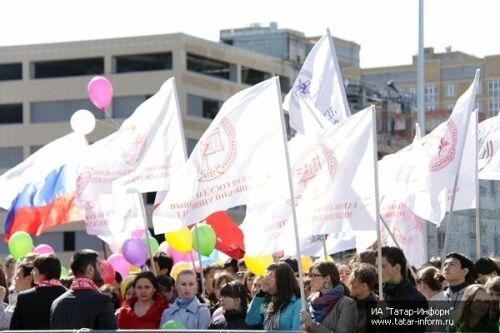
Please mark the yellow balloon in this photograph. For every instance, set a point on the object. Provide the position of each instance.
(180, 240)
(258, 265)
(330, 259)
(125, 283)
(177, 268)
(134, 269)
(306, 262)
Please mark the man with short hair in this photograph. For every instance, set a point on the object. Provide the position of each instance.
(459, 273)
(83, 306)
(163, 263)
(32, 311)
(399, 293)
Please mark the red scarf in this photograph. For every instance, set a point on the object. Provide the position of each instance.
(83, 283)
(50, 283)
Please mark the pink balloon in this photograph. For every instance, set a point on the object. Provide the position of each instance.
(100, 92)
(163, 247)
(180, 256)
(43, 249)
(119, 264)
(139, 234)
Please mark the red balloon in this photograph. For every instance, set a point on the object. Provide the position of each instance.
(107, 272)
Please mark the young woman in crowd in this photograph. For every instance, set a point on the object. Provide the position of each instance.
(329, 308)
(187, 309)
(233, 300)
(430, 283)
(248, 280)
(362, 285)
(282, 312)
(145, 308)
(474, 316)
(344, 273)
(485, 268)
(220, 279)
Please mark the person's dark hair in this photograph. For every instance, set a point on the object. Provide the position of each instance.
(286, 286)
(148, 276)
(231, 263)
(67, 281)
(248, 274)
(234, 289)
(9, 260)
(165, 282)
(242, 266)
(467, 302)
(327, 268)
(164, 261)
(118, 277)
(26, 268)
(394, 255)
(435, 261)
(432, 277)
(368, 257)
(222, 278)
(366, 273)
(485, 266)
(3, 283)
(81, 259)
(107, 288)
(464, 263)
(292, 261)
(207, 269)
(48, 265)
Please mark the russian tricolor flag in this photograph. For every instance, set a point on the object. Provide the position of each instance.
(41, 190)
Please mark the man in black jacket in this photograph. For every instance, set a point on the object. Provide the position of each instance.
(406, 305)
(32, 311)
(83, 306)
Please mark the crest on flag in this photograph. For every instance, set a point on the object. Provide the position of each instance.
(216, 152)
(316, 163)
(137, 144)
(446, 149)
(82, 181)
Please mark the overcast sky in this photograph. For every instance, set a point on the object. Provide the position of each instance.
(387, 30)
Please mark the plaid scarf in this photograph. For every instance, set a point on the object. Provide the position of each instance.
(50, 283)
(323, 304)
(82, 283)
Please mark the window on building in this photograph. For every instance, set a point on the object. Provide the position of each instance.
(451, 90)
(431, 97)
(34, 149)
(11, 113)
(60, 111)
(123, 107)
(252, 76)
(450, 106)
(69, 241)
(212, 67)
(10, 157)
(11, 72)
(190, 144)
(70, 67)
(494, 97)
(143, 62)
(200, 106)
(285, 84)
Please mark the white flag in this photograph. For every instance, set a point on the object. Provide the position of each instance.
(489, 143)
(318, 91)
(140, 157)
(36, 167)
(439, 162)
(332, 176)
(241, 152)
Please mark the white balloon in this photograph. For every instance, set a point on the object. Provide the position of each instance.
(82, 122)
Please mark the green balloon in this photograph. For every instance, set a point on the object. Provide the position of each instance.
(207, 239)
(20, 244)
(153, 245)
(64, 272)
(173, 325)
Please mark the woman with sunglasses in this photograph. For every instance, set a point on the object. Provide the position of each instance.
(330, 310)
(276, 307)
(233, 300)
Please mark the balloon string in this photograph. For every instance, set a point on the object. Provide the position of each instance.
(107, 115)
(107, 124)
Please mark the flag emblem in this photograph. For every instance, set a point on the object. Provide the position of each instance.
(444, 149)
(216, 152)
(135, 145)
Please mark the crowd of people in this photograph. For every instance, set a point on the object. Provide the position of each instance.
(454, 296)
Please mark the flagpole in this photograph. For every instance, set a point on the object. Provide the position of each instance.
(459, 156)
(292, 195)
(478, 221)
(377, 204)
(184, 150)
(337, 69)
(143, 210)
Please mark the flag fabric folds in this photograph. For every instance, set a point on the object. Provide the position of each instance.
(318, 91)
(241, 152)
(42, 188)
(489, 144)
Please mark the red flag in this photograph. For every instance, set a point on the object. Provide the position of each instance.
(229, 236)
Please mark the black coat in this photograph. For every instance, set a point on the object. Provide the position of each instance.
(32, 311)
(230, 320)
(82, 309)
